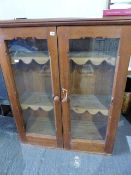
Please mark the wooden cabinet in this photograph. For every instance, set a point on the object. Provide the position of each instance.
(65, 80)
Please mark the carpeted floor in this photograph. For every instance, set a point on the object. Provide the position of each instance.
(21, 159)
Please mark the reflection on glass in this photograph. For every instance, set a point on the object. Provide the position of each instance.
(92, 67)
(31, 66)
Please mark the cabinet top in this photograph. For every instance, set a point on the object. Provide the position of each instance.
(19, 22)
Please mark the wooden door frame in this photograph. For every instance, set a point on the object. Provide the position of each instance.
(119, 84)
(39, 33)
(66, 33)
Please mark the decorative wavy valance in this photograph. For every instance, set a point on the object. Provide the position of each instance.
(95, 58)
(38, 57)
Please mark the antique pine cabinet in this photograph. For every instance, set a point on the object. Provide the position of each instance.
(65, 79)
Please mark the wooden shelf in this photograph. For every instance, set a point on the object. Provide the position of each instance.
(36, 100)
(37, 56)
(40, 125)
(88, 127)
(91, 103)
(96, 58)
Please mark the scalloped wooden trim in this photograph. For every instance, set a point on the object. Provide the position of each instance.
(35, 107)
(82, 61)
(95, 58)
(36, 100)
(89, 103)
(40, 58)
(29, 60)
(91, 111)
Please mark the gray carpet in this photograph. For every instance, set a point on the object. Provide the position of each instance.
(21, 159)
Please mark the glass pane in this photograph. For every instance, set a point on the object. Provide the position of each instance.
(31, 66)
(92, 67)
(3, 91)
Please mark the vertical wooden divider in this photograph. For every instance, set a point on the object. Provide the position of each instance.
(52, 42)
(64, 79)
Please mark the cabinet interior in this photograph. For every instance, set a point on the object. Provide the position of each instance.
(31, 67)
(92, 67)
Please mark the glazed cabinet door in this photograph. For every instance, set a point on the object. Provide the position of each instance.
(93, 67)
(29, 62)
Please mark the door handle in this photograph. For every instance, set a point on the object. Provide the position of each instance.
(66, 119)
(56, 99)
(65, 94)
